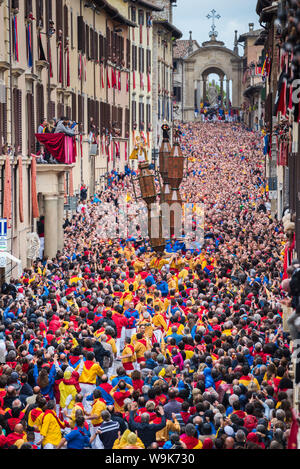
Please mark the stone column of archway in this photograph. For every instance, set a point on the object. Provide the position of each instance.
(189, 108)
(222, 89)
(227, 93)
(204, 87)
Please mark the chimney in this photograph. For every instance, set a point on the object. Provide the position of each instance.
(236, 46)
(190, 49)
(251, 27)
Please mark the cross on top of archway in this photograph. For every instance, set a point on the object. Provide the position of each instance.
(214, 16)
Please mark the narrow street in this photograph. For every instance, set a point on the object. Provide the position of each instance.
(149, 228)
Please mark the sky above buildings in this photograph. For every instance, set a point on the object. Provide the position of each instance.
(191, 15)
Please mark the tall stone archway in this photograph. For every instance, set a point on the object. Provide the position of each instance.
(212, 57)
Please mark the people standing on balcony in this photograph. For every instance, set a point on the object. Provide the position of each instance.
(62, 128)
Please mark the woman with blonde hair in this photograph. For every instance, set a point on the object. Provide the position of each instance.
(123, 442)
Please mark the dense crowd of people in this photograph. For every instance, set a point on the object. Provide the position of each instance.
(111, 345)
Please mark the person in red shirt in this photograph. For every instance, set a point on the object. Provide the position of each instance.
(120, 322)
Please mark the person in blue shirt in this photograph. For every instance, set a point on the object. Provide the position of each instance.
(79, 437)
(150, 308)
(178, 338)
(121, 374)
(133, 316)
(162, 285)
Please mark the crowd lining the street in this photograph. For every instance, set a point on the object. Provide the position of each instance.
(110, 345)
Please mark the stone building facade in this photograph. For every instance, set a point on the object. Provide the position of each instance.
(61, 58)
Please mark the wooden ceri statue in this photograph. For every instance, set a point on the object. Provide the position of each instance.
(139, 152)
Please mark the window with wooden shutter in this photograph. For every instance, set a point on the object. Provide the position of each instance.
(127, 122)
(51, 110)
(48, 11)
(30, 123)
(80, 111)
(133, 14)
(74, 107)
(141, 117)
(66, 24)
(3, 119)
(101, 48)
(72, 28)
(148, 61)
(92, 45)
(96, 46)
(68, 112)
(60, 110)
(59, 19)
(133, 115)
(39, 104)
(40, 12)
(120, 120)
(121, 51)
(28, 8)
(141, 60)
(97, 116)
(128, 48)
(105, 49)
(17, 109)
(87, 41)
(81, 34)
(108, 43)
(141, 17)
(113, 46)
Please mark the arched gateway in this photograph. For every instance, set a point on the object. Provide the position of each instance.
(212, 58)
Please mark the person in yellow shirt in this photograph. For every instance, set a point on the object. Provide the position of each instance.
(131, 281)
(128, 440)
(78, 406)
(157, 262)
(177, 262)
(51, 427)
(67, 392)
(95, 416)
(128, 251)
(128, 356)
(139, 264)
(88, 371)
(141, 345)
(35, 417)
(172, 282)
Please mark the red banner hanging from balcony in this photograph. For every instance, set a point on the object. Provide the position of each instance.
(60, 146)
